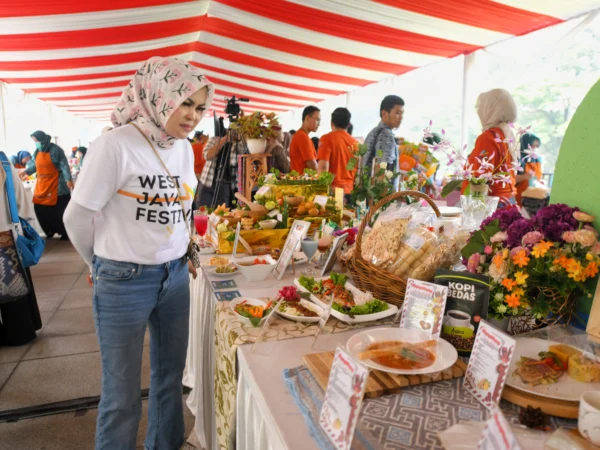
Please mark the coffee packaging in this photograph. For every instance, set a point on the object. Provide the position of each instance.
(467, 303)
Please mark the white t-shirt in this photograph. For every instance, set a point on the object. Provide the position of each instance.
(139, 219)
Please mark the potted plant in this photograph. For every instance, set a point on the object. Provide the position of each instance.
(257, 128)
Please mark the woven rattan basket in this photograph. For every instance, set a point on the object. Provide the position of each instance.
(368, 277)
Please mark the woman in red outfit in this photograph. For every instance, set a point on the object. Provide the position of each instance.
(496, 109)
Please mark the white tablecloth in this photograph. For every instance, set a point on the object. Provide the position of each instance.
(199, 375)
(267, 416)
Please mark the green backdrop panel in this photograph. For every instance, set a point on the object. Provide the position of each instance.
(577, 175)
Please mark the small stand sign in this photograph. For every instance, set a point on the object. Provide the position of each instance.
(489, 364)
(337, 244)
(497, 434)
(343, 399)
(424, 306)
(297, 233)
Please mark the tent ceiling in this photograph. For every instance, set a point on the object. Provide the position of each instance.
(281, 54)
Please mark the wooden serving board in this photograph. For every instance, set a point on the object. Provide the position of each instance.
(553, 407)
(379, 383)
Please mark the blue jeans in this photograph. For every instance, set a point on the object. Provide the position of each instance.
(127, 297)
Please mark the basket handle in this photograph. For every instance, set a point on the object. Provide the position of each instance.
(382, 202)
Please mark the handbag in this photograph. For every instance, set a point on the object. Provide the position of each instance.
(193, 250)
(14, 283)
(30, 245)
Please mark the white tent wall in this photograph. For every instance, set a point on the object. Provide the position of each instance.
(22, 114)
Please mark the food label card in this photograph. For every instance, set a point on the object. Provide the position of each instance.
(488, 365)
(296, 234)
(225, 284)
(227, 295)
(343, 399)
(237, 240)
(497, 434)
(213, 221)
(424, 306)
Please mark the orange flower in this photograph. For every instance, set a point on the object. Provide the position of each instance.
(562, 262)
(591, 270)
(573, 266)
(509, 284)
(498, 260)
(521, 259)
(541, 248)
(513, 300)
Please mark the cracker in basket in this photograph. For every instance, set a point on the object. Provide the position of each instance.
(415, 247)
(381, 245)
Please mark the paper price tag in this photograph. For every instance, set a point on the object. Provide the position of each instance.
(333, 251)
(297, 233)
(264, 190)
(423, 307)
(343, 399)
(497, 434)
(320, 200)
(237, 240)
(489, 364)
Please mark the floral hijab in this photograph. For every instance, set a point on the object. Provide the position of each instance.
(157, 89)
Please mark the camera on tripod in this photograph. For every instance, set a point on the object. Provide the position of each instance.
(233, 108)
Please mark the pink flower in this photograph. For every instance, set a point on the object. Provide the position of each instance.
(501, 236)
(569, 237)
(498, 272)
(532, 238)
(473, 262)
(488, 250)
(516, 250)
(590, 228)
(596, 248)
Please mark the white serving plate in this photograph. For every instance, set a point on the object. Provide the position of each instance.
(257, 272)
(213, 272)
(446, 353)
(392, 309)
(566, 388)
(316, 308)
(251, 301)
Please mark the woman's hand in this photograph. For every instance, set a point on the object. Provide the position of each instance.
(23, 176)
(192, 270)
(70, 185)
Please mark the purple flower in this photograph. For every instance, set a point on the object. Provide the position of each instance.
(505, 216)
(517, 230)
(554, 220)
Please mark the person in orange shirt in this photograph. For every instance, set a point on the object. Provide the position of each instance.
(496, 109)
(198, 144)
(335, 151)
(302, 151)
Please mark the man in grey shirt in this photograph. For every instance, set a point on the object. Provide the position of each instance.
(381, 138)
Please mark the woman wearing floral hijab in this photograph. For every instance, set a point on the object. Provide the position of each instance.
(129, 219)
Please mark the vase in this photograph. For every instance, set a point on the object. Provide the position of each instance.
(501, 325)
(478, 190)
(256, 146)
(476, 209)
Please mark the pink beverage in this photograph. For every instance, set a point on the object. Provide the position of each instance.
(201, 223)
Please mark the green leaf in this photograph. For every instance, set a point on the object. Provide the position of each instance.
(352, 164)
(379, 154)
(492, 228)
(452, 186)
(471, 248)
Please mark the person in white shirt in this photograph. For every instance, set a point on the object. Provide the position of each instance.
(130, 219)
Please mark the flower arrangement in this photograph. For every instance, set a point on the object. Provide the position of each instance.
(368, 186)
(258, 125)
(538, 265)
(488, 173)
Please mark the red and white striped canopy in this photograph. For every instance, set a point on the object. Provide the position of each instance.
(281, 54)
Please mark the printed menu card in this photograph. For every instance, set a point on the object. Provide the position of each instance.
(343, 399)
(497, 434)
(489, 364)
(423, 307)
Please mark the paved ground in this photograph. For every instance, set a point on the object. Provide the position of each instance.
(63, 363)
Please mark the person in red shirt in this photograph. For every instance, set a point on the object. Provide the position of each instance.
(198, 144)
(302, 151)
(496, 109)
(335, 150)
